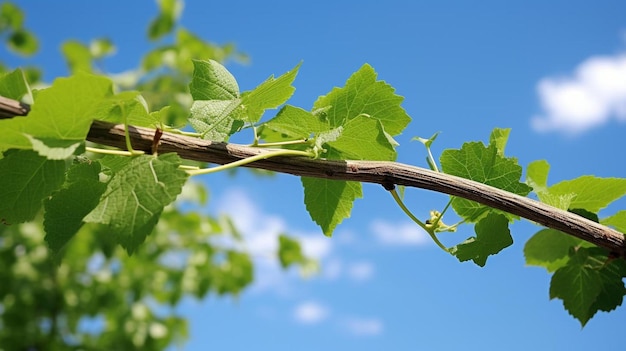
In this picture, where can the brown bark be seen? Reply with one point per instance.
(384, 173)
(387, 174)
(10, 108)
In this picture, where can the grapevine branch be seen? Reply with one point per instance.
(385, 173)
(10, 108)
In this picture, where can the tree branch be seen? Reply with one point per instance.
(384, 173)
(10, 108)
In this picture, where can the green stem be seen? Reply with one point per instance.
(129, 146)
(188, 168)
(251, 159)
(432, 160)
(256, 136)
(181, 132)
(280, 143)
(96, 150)
(428, 230)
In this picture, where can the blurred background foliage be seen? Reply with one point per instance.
(96, 297)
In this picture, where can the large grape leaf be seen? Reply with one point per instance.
(550, 249)
(589, 283)
(136, 196)
(216, 110)
(499, 137)
(363, 138)
(363, 94)
(537, 175)
(216, 120)
(329, 201)
(25, 180)
(589, 192)
(219, 109)
(486, 165)
(66, 208)
(127, 107)
(63, 113)
(269, 94)
(537, 178)
(617, 221)
(293, 123)
(492, 235)
(212, 81)
(361, 117)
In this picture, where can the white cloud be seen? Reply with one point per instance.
(332, 269)
(260, 231)
(405, 233)
(364, 326)
(310, 312)
(316, 245)
(590, 97)
(361, 271)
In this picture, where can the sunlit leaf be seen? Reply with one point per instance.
(329, 202)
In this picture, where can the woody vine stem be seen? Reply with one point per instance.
(380, 172)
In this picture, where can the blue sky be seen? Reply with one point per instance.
(553, 72)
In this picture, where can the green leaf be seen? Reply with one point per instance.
(586, 192)
(482, 164)
(329, 201)
(326, 137)
(363, 94)
(499, 138)
(27, 179)
(11, 17)
(66, 208)
(550, 249)
(537, 175)
(216, 112)
(136, 196)
(234, 274)
(114, 163)
(23, 42)
(78, 56)
(54, 149)
(126, 107)
(613, 290)
(585, 280)
(216, 120)
(363, 138)
(427, 142)
(492, 235)
(13, 85)
(589, 192)
(612, 272)
(269, 94)
(163, 24)
(293, 123)
(617, 221)
(171, 7)
(100, 48)
(160, 26)
(289, 252)
(63, 112)
(212, 81)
